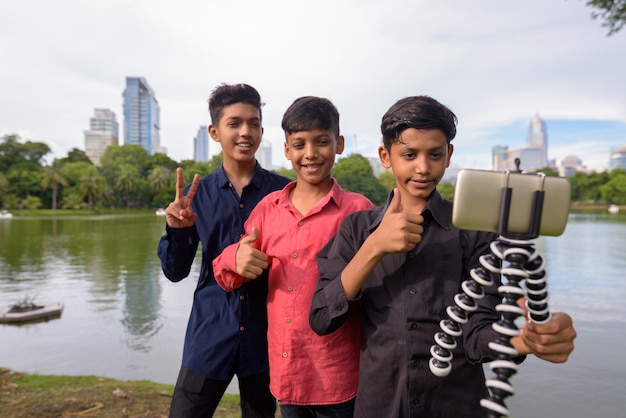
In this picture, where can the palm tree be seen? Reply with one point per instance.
(91, 185)
(159, 178)
(127, 181)
(53, 176)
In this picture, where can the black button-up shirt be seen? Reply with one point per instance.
(225, 329)
(401, 304)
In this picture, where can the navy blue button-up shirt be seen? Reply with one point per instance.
(227, 331)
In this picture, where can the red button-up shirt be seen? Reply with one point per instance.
(305, 369)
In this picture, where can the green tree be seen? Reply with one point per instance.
(92, 185)
(75, 155)
(127, 182)
(13, 152)
(161, 181)
(160, 159)
(387, 179)
(24, 179)
(73, 201)
(614, 191)
(4, 189)
(613, 12)
(290, 173)
(115, 157)
(355, 173)
(446, 190)
(53, 176)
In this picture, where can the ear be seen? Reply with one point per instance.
(450, 151)
(385, 158)
(213, 132)
(341, 143)
(286, 150)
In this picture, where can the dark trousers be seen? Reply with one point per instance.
(195, 396)
(340, 410)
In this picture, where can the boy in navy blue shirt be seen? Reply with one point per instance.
(227, 331)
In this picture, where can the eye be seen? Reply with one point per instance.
(408, 155)
(297, 145)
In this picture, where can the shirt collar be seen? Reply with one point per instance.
(436, 206)
(334, 195)
(256, 180)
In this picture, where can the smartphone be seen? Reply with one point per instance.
(478, 202)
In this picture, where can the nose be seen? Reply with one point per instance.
(422, 165)
(310, 151)
(245, 130)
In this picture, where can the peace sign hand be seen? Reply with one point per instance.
(179, 213)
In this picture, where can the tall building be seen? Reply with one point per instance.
(534, 154)
(142, 114)
(617, 158)
(570, 165)
(264, 154)
(103, 131)
(201, 145)
(537, 138)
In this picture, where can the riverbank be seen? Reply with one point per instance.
(44, 396)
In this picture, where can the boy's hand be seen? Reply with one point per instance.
(179, 213)
(552, 341)
(399, 231)
(250, 262)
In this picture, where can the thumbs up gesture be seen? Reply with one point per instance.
(250, 262)
(399, 231)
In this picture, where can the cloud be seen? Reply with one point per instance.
(495, 64)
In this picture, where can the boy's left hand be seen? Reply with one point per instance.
(552, 341)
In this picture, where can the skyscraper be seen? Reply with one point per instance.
(533, 156)
(142, 115)
(201, 145)
(103, 131)
(537, 138)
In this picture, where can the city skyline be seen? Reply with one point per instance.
(495, 64)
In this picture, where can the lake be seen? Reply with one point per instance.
(124, 319)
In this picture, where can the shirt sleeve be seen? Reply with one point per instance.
(225, 265)
(225, 269)
(177, 249)
(330, 308)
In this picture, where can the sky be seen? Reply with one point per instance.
(494, 63)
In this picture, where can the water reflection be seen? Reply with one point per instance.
(123, 319)
(111, 257)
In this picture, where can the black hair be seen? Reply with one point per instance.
(418, 112)
(227, 94)
(308, 113)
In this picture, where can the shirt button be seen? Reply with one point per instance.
(413, 325)
(241, 328)
(290, 288)
(241, 205)
(294, 255)
(287, 320)
(285, 354)
(230, 185)
(411, 255)
(242, 297)
(301, 223)
(338, 307)
(412, 291)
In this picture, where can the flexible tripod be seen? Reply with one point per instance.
(514, 257)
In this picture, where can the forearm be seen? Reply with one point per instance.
(176, 250)
(359, 268)
(225, 269)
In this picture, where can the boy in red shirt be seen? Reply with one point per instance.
(310, 376)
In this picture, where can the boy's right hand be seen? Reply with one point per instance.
(250, 262)
(179, 213)
(398, 231)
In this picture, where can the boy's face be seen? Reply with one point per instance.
(418, 161)
(238, 131)
(312, 154)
